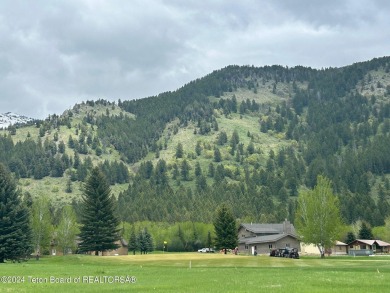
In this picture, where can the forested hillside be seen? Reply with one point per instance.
(252, 137)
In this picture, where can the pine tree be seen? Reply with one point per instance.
(225, 229)
(149, 241)
(198, 148)
(145, 241)
(185, 170)
(99, 229)
(350, 237)
(365, 232)
(15, 233)
(217, 155)
(179, 150)
(209, 241)
(133, 241)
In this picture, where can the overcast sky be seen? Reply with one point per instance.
(54, 54)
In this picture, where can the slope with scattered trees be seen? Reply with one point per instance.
(250, 136)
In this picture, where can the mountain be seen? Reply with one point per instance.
(9, 118)
(253, 137)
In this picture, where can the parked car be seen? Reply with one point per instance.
(206, 250)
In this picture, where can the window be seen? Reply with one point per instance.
(270, 246)
(246, 247)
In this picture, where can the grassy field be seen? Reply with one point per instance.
(195, 272)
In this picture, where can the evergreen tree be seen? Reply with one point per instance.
(209, 241)
(61, 147)
(76, 160)
(179, 151)
(222, 138)
(198, 169)
(201, 183)
(350, 237)
(68, 188)
(365, 232)
(225, 229)
(185, 170)
(175, 171)
(211, 170)
(198, 148)
(15, 233)
(219, 174)
(235, 139)
(145, 241)
(250, 148)
(99, 229)
(133, 241)
(149, 241)
(217, 155)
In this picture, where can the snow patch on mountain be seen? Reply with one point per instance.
(10, 118)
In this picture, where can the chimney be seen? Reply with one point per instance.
(287, 227)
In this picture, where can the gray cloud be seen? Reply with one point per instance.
(54, 54)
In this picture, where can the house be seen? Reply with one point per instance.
(367, 247)
(55, 249)
(338, 248)
(121, 250)
(261, 238)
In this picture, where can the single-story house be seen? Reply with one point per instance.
(56, 250)
(339, 248)
(121, 250)
(367, 247)
(262, 238)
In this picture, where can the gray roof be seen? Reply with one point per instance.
(268, 228)
(265, 239)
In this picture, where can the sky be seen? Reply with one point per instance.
(54, 54)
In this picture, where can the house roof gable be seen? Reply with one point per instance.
(265, 239)
(371, 242)
(382, 243)
(268, 228)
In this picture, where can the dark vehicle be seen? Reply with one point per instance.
(293, 253)
(285, 252)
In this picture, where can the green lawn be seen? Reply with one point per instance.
(195, 272)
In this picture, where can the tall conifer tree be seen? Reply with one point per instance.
(99, 224)
(225, 229)
(15, 233)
